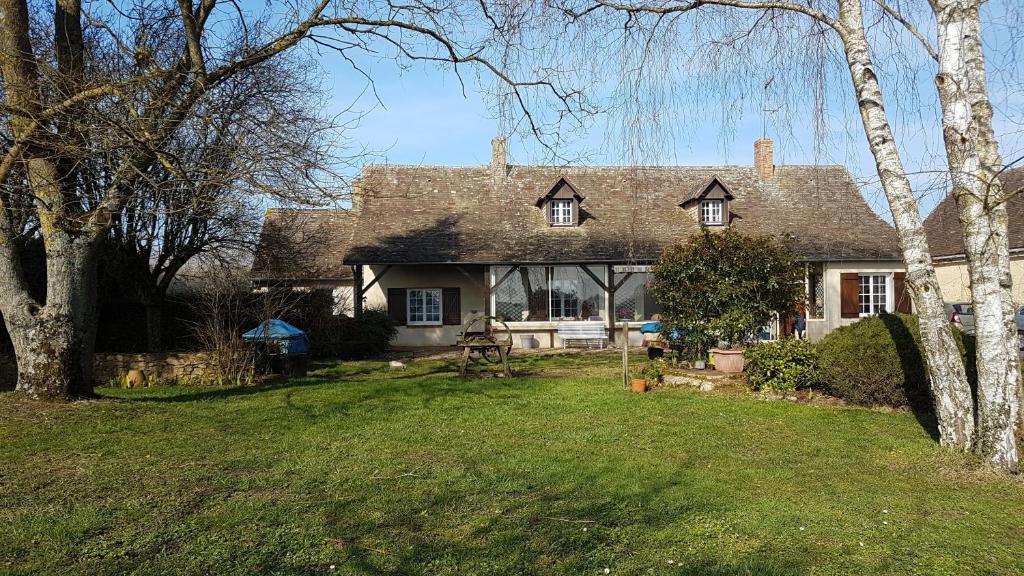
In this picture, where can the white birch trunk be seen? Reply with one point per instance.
(974, 164)
(950, 389)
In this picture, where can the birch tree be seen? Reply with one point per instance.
(973, 161)
(647, 33)
(64, 106)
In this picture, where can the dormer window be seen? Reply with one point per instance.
(561, 204)
(710, 203)
(711, 212)
(560, 212)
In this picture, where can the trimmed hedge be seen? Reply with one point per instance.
(782, 365)
(878, 361)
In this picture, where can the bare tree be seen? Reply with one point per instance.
(112, 86)
(777, 34)
(259, 136)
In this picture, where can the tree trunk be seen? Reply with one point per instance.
(974, 164)
(950, 389)
(154, 324)
(53, 343)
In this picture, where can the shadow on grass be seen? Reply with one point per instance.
(430, 382)
(915, 374)
(544, 526)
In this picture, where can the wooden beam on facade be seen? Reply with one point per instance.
(376, 278)
(599, 282)
(504, 277)
(610, 304)
(616, 286)
(357, 290)
(487, 291)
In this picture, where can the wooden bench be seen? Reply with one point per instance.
(589, 332)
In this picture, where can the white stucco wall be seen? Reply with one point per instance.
(833, 319)
(955, 282)
(469, 280)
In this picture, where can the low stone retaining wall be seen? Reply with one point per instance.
(160, 368)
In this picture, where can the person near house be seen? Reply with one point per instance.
(800, 324)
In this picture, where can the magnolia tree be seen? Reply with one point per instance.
(726, 285)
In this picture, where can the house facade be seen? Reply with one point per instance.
(945, 238)
(541, 246)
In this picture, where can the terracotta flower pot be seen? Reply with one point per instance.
(730, 361)
(136, 378)
(638, 385)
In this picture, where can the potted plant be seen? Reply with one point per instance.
(638, 383)
(732, 327)
(646, 376)
(727, 284)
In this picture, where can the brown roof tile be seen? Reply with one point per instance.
(304, 244)
(430, 214)
(945, 237)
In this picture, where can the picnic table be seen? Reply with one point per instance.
(483, 342)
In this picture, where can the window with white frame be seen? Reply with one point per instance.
(424, 306)
(874, 294)
(561, 212)
(711, 212)
(541, 293)
(565, 301)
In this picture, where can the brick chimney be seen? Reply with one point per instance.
(499, 158)
(764, 159)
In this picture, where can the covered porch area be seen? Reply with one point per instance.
(540, 302)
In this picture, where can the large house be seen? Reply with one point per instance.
(945, 238)
(539, 246)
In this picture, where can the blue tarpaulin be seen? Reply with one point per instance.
(291, 339)
(655, 326)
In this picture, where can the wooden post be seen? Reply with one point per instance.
(625, 355)
(357, 290)
(487, 290)
(610, 307)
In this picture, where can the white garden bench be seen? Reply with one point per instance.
(589, 332)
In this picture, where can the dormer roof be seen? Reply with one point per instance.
(712, 189)
(563, 189)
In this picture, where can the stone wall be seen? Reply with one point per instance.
(160, 368)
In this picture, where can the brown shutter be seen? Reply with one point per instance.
(902, 295)
(451, 306)
(396, 305)
(849, 294)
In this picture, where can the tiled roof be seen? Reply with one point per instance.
(304, 244)
(945, 237)
(430, 214)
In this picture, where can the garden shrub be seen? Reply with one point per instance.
(339, 336)
(726, 284)
(783, 365)
(877, 361)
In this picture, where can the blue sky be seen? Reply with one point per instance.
(425, 116)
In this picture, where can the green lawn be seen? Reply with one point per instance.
(559, 471)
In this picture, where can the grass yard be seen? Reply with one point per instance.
(363, 470)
